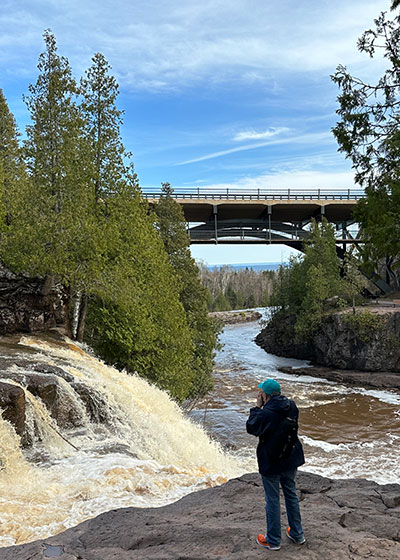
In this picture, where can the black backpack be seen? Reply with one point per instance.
(281, 443)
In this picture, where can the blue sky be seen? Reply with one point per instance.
(215, 93)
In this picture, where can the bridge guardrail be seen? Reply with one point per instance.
(259, 194)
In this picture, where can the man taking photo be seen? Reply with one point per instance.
(279, 452)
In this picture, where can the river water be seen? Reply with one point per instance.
(149, 453)
(348, 432)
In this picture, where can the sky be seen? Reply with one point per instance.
(216, 93)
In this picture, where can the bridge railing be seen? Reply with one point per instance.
(257, 194)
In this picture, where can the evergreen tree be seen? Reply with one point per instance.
(221, 303)
(369, 134)
(12, 169)
(311, 284)
(137, 320)
(51, 233)
(193, 295)
(102, 124)
(107, 171)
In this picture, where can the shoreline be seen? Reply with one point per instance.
(375, 379)
(234, 317)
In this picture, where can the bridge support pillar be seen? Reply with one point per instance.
(215, 212)
(269, 223)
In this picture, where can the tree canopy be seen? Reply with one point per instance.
(193, 294)
(369, 134)
(71, 210)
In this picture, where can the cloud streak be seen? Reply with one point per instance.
(253, 135)
(310, 138)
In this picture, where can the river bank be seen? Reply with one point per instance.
(342, 519)
(367, 340)
(234, 317)
(379, 380)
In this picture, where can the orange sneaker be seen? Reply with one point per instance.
(262, 541)
(302, 540)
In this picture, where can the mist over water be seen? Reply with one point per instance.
(147, 452)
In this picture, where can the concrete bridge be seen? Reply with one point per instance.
(262, 215)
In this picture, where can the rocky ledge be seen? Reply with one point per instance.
(376, 379)
(233, 317)
(342, 519)
(366, 341)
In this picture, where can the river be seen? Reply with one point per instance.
(148, 452)
(348, 432)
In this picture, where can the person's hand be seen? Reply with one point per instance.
(260, 399)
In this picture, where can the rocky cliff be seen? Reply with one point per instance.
(342, 519)
(28, 304)
(366, 341)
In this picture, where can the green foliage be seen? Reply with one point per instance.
(78, 216)
(365, 324)
(309, 286)
(12, 169)
(236, 289)
(354, 281)
(193, 295)
(369, 134)
(221, 303)
(137, 321)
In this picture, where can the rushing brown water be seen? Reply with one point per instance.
(149, 453)
(346, 431)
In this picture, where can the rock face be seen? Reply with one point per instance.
(27, 304)
(12, 404)
(342, 519)
(340, 342)
(278, 338)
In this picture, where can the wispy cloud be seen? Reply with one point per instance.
(292, 180)
(167, 44)
(310, 138)
(254, 135)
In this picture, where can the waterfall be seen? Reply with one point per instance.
(125, 443)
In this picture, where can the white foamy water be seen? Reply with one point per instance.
(146, 454)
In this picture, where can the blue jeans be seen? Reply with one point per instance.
(273, 509)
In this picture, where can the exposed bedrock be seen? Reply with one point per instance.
(26, 383)
(28, 304)
(342, 519)
(340, 342)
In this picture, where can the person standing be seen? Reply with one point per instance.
(265, 422)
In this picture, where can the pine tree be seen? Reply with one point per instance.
(12, 169)
(193, 295)
(103, 120)
(368, 133)
(53, 234)
(137, 320)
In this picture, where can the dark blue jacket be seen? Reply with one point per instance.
(263, 422)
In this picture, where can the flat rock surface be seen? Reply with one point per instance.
(342, 519)
(233, 317)
(377, 379)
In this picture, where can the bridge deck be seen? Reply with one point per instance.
(261, 215)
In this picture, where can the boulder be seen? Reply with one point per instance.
(339, 342)
(12, 405)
